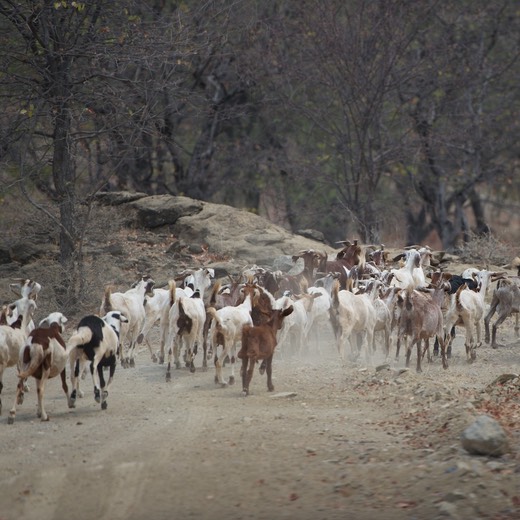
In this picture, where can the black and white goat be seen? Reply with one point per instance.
(96, 340)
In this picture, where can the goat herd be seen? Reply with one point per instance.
(360, 292)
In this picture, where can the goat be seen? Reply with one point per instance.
(26, 288)
(198, 280)
(467, 309)
(311, 261)
(378, 257)
(12, 339)
(384, 305)
(130, 304)
(295, 325)
(96, 340)
(352, 315)
(455, 282)
(411, 274)
(186, 323)
(350, 256)
(221, 296)
(259, 343)
(153, 307)
(421, 318)
(505, 301)
(226, 330)
(43, 357)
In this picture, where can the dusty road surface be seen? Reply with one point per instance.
(334, 441)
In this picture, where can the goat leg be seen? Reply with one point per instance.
(269, 371)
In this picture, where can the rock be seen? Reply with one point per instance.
(283, 263)
(448, 509)
(24, 252)
(161, 210)
(116, 198)
(485, 437)
(5, 255)
(313, 234)
(500, 380)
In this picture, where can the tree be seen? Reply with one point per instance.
(68, 83)
(461, 61)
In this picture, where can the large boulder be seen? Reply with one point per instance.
(236, 234)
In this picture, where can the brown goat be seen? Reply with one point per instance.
(258, 343)
(421, 319)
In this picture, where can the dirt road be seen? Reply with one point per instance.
(332, 442)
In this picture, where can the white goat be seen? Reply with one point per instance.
(157, 306)
(467, 308)
(96, 340)
(43, 356)
(384, 305)
(411, 274)
(226, 330)
(318, 315)
(26, 289)
(131, 305)
(353, 319)
(186, 323)
(294, 325)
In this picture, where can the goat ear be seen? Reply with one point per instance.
(287, 311)
(398, 257)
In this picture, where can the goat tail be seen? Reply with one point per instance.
(33, 357)
(181, 308)
(457, 296)
(107, 304)
(172, 287)
(81, 337)
(212, 313)
(334, 293)
(214, 292)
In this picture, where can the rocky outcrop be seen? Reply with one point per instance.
(234, 233)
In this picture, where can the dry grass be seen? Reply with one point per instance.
(486, 250)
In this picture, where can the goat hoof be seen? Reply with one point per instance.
(154, 358)
(192, 368)
(168, 377)
(10, 419)
(97, 395)
(223, 384)
(231, 380)
(245, 393)
(132, 363)
(104, 405)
